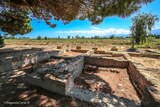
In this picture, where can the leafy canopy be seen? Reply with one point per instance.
(68, 10)
(15, 22)
(142, 26)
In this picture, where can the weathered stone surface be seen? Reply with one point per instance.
(19, 61)
(15, 53)
(51, 85)
(103, 62)
(143, 87)
(144, 55)
(59, 77)
(79, 50)
(65, 71)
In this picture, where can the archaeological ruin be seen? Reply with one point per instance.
(103, 79)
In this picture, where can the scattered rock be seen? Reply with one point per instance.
(120, 85)
(114, 71)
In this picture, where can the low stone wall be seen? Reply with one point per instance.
(145, 55)
(142, 86)
(66, 71)
(14, 53)
(100, 52)
(105, 62)
(19, 61)
(78, 50)
(48, 84)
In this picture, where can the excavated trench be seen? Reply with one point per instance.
(113, 81)
(98, 80)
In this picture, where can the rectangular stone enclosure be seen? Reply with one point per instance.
(58, 75)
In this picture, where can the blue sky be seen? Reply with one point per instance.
(110, 25)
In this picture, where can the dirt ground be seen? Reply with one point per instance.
(71, 46)
(108, 80)
(152, 63)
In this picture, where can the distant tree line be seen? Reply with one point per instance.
(5, 36)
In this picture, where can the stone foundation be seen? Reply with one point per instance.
(143, 87)
(105, 62)
(57, 77)
(21, 60)
(62, 75)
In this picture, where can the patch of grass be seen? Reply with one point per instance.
(150, 43)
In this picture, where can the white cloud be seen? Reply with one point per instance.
(95, 28)
(97, 31)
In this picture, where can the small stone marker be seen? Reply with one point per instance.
(78, 47)
(59, 47)
(95, 49)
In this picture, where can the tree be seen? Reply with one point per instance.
(68, 10)
(45, 38)
(112, 37)
(142, 26)
(77, 36)
(68, 37)
(83, 37)
(96, 37)
(15, 22)
(39, 38)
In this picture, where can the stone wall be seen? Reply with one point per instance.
(144, 55)
(19, 61)
(14, 53)
(72, 67)
(105, 62)
(61, 75)
(79, 50)
(51, 85)
(142, 86)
